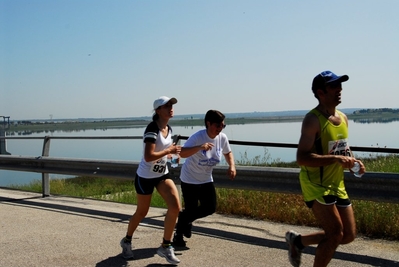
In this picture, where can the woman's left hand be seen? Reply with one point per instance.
(231, 172)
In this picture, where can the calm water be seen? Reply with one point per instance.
(368, 135)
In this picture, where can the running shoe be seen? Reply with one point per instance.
(168, 253)
(178, 241)
(294, 253)
(127, 252)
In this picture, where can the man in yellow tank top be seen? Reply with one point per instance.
(323, 154)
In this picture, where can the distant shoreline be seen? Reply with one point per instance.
(135, 123)
(129, 123)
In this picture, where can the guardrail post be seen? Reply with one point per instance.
(46, 176)
(3, 142)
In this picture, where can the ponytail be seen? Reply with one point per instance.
(155, 117)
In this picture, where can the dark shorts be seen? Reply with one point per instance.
(145, 186)
(330, 200)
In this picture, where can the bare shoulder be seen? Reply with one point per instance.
(309, 132)
(310, 122)
(344, 116)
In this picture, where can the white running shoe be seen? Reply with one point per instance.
(127, 252)
(168, 253)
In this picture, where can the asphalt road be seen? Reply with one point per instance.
(64, 231)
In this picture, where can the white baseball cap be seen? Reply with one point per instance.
(162, 100)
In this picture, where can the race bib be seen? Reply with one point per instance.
(339, 147)
(159, 166)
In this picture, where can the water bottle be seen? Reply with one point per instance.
(174, 161)
(356, 169)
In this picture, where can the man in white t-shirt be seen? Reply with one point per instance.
(203, 150)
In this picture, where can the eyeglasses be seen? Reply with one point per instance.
(220, 125)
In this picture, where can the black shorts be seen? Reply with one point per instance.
(145, 186)
(330, 200)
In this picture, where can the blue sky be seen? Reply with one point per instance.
(106, 58)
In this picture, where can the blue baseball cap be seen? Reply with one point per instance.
(327, 77)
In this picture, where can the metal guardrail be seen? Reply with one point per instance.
(372, 186)
(182, 137)
(286, 145)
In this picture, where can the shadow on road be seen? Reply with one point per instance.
(156, 222)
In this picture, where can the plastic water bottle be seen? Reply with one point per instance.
(174, 161)
(356, 169)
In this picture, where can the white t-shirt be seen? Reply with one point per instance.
(197, 169)
(157, 168)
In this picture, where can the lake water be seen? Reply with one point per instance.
(361, 134)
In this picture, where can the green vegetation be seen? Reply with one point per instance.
(374, 219)
(381, 115)
(372, 111)
(382, 163)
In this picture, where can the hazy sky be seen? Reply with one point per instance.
(107, 58)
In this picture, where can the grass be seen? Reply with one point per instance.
(381, 163)
(373, 219)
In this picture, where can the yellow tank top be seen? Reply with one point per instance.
(327, 180)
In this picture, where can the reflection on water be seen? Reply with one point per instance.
(50, 132)
(105, 129)
(376, 120)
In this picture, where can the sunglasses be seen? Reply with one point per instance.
(220, 125)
